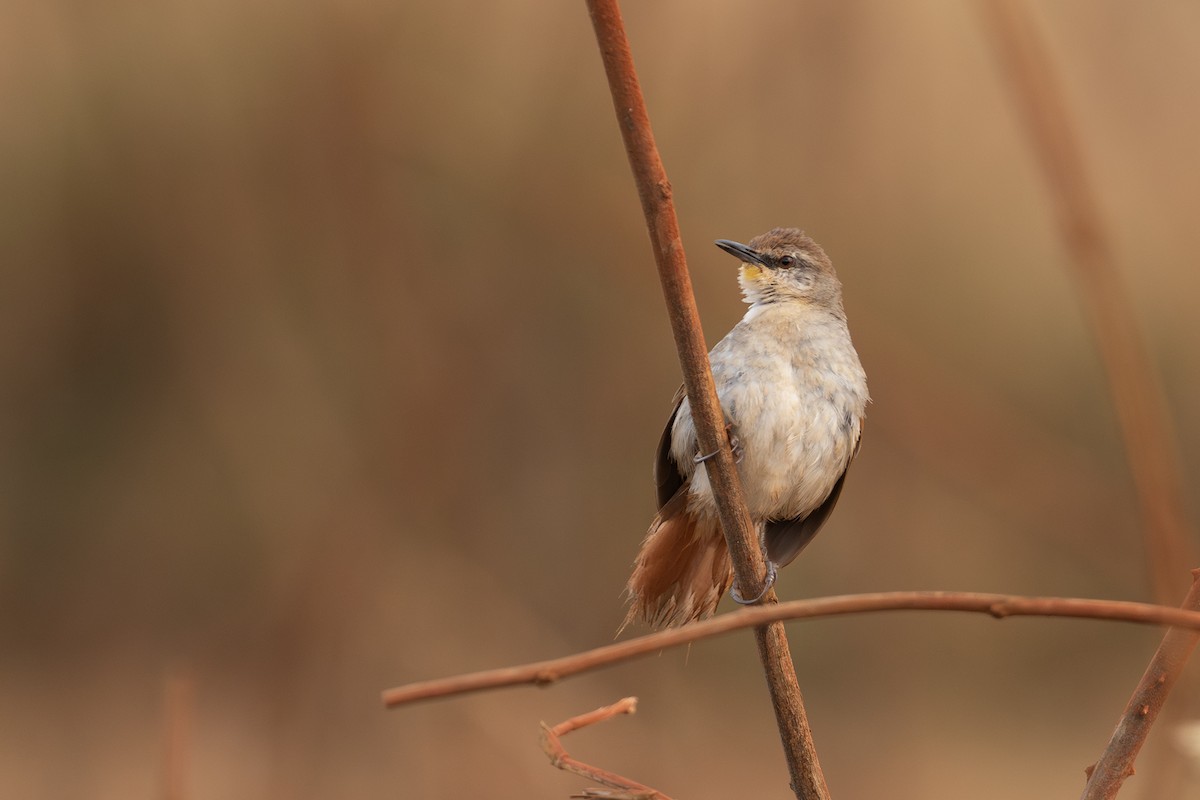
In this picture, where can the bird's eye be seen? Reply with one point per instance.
(787, 261)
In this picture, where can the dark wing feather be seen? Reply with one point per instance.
(785, 538)
(666, 472)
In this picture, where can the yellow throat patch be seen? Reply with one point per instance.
(751, 272)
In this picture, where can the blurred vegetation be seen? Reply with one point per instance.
(332, 357)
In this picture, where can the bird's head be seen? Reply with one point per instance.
(785, 265)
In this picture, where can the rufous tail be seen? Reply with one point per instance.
(682, 571)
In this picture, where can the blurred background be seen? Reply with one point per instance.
(333, 356)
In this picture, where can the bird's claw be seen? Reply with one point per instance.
(772, 572)
(735, 447)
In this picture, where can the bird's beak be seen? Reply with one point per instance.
(742, 252)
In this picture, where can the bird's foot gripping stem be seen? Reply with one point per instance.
(735, 445)
(772, 572)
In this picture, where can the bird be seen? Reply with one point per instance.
(794, 396)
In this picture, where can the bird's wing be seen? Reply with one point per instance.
(666, 472)
(785, 538)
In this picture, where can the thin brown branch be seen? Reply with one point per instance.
(659, 209)
(807, 780)
(1106, 777)
(1137, 393)
(179, 692)
(997, 605)
(559, 757)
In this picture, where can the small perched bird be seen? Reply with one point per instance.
(794, 396)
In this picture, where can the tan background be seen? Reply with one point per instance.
(332, 356)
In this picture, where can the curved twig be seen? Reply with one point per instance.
(559, 757)
(543, 673)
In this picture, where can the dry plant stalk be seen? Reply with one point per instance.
(1107, 775)
(807, 780)
(543, 673)
(559, 757)
(178, 693)
(1137, 394)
